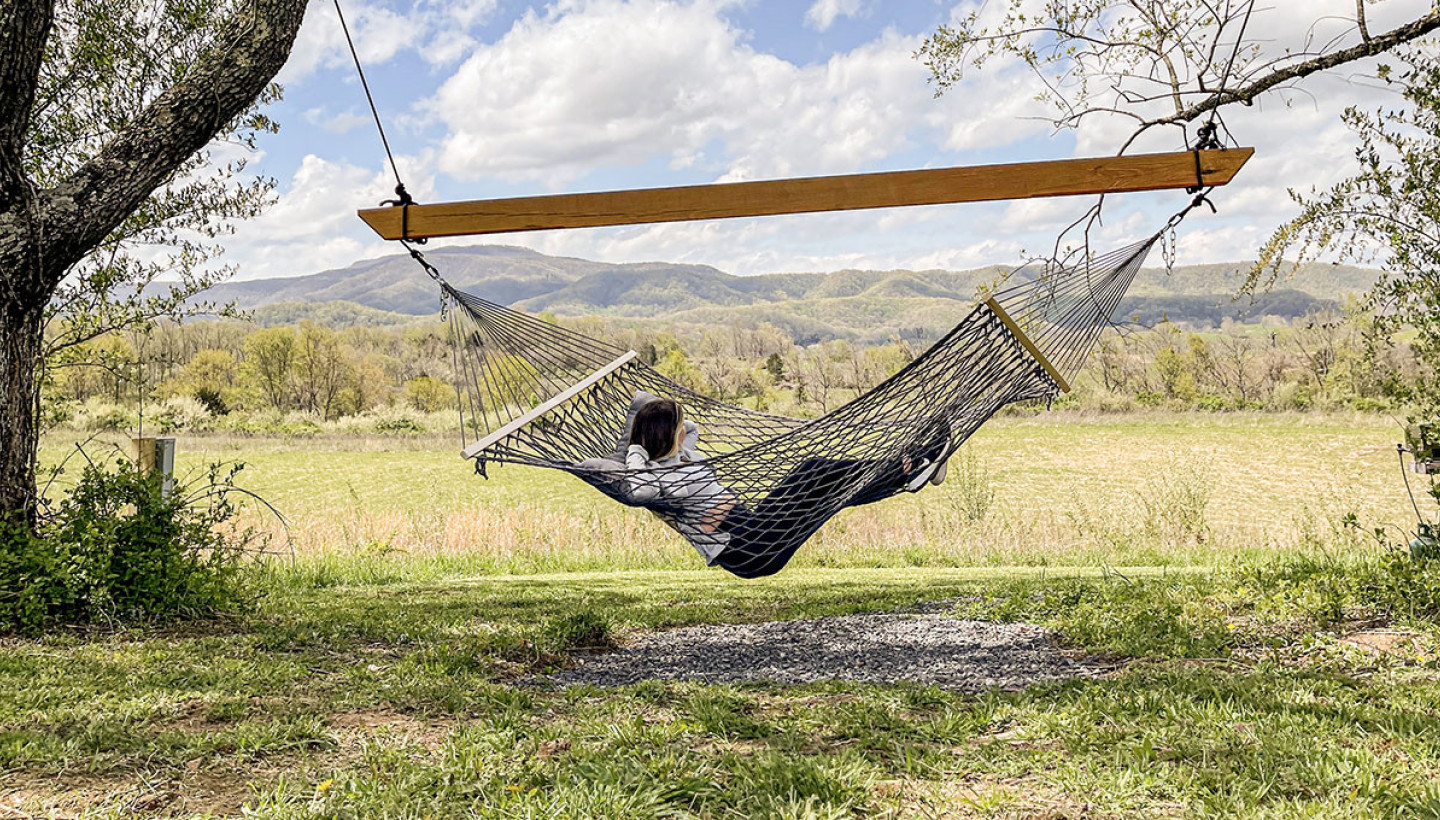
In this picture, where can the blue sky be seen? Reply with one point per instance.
(486, 98)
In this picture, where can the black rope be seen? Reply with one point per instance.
(402, 196)
(786, 477)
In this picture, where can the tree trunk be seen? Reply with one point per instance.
(20, 340)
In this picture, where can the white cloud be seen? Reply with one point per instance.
(313, 226)
(822, 14)
(550, 101)
(341, 123)
(439, 30)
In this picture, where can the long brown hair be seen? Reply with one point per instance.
(656, 426)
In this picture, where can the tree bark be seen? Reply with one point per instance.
(20, 339)
(22, 311)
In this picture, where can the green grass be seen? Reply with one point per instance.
(411, 699)
(389, 668)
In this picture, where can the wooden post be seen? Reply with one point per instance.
(935, 186)
(156, 455)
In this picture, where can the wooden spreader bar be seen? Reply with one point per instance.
(1028, 345)
(977, 183)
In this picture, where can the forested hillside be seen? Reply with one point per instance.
(857, 305)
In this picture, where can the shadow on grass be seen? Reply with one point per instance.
(1159, 736)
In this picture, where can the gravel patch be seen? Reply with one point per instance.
(970, 656)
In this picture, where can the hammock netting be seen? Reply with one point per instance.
(538, 394)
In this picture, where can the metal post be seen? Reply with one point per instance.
(156, 455)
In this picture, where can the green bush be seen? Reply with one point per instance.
(116, 550)
(1403, 584)
(398, 424)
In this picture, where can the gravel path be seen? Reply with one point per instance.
(970, 656)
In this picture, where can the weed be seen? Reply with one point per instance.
(973, 491)
(582, 629)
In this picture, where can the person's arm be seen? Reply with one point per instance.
(712, 520)
(692, 438)
(644, 486)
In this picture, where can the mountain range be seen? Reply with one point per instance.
(863, 305)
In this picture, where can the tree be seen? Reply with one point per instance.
(323, 369)
(428, 394)
(102, 105)
(1389, 213)
(209, 376)
(1153, 63)
(270, 363)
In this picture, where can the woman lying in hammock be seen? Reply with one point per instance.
(668, 476)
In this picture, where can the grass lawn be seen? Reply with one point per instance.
(404, 699)
(1267, 663)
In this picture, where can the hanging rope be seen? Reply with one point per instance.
(402, 196)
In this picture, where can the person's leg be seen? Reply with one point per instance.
(764, 538)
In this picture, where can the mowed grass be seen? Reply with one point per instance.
(396, 667)
(427, 699)
(1055, 489)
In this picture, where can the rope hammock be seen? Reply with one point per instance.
(751, 487)
(538, 394)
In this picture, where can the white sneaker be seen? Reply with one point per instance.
(938, 477)
(927, 469)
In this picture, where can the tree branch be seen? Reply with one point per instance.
(248, 50)
(24, 27)
(1369, 48)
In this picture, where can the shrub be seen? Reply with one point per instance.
(181, 413)
(398, 424)
(100, 416)
(116, 550)
(1404, 584)
(212, 400)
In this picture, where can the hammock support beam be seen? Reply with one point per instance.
(935, 186)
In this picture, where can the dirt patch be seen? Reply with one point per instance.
(1400, 642)
(353, 728)
(171, 793)
(194, 716)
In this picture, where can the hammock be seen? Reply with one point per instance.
(538, 394)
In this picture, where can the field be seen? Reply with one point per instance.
(1266, 661)
(1056, 490)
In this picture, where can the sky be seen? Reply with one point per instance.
(494, 98)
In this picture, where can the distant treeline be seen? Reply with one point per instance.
(235, 375)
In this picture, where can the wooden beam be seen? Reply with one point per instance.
(979, 183)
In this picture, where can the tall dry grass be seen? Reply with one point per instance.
(1167, 520)
(1061, 489)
